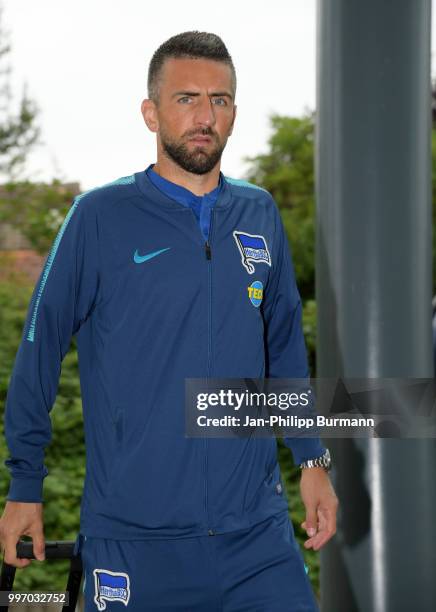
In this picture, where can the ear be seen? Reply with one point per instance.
(149, 112)
(233, 120)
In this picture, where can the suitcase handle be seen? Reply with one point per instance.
(53, 550)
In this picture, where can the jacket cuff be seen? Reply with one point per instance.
(25, 490)
(304, 448)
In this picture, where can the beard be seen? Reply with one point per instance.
(198, 160)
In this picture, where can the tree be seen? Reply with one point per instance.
(18, 132)
(287, 172)
(36, 210)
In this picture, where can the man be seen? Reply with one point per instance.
(152, 273)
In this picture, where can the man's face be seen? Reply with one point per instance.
(195, 112)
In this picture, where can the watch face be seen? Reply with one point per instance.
(327, 460)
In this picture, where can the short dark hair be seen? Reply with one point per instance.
(193, 45)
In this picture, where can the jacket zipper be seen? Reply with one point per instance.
(208, 256)
(208, 252)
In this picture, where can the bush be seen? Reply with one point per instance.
(65, 457)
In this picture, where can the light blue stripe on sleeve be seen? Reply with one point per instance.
(125, 180)
(48, 265)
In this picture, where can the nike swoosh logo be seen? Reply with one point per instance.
(141, 258)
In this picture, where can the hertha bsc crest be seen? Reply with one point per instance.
(253, 248)
(111, 586)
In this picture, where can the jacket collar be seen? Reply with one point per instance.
(180, 193)
(151, 191)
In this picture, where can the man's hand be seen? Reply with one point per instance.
(21, 518)
(321, 505)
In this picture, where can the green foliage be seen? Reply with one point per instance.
(291, 481)
(309, 330)
(36, 210)
(65, 457)
(287, 172)
(13, 296)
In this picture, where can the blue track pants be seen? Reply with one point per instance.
(259, 569)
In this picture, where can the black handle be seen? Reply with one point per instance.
(53, 550)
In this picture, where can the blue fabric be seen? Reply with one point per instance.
(258, 569)
(201, 205)
(129, 275)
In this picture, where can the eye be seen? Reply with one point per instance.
(220, 101)
(185, 100)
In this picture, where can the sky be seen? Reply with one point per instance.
(85, 64)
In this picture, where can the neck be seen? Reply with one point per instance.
(197, 183)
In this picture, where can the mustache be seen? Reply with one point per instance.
(204, 132)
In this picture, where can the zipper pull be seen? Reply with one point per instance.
(208, 251)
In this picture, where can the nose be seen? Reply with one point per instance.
(205, 112)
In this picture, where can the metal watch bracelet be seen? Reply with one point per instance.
(324, 461)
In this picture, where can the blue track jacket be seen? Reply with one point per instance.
(151, 303)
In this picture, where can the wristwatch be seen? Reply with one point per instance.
(323, 461)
